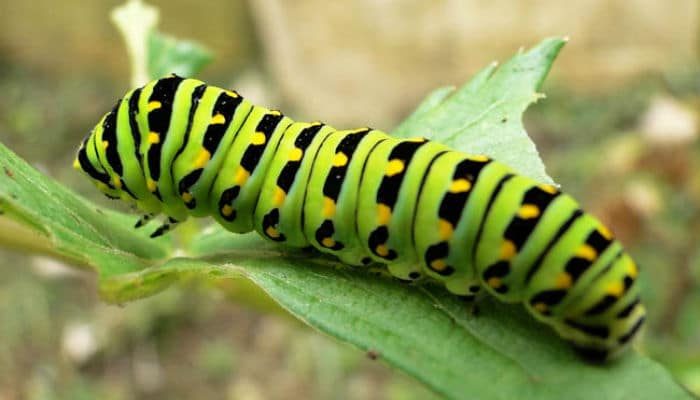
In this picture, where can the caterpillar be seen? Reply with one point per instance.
(179, 147)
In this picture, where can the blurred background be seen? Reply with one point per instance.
(618, 129)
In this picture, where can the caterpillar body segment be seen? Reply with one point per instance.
(179, 147)
(280, 208)
(333, 190)
(234, 193)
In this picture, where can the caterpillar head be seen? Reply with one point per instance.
(89, 160)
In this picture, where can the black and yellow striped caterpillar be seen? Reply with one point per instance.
(179, 147)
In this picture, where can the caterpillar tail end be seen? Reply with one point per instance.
(622, 333)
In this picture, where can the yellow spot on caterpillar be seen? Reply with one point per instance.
(328, 242)
(295, 154)
(241, 176)
(383, 214)
(272, 232)
(340, 159)
(153, 138)
(328, 207)
(615, 289)
(479, 158)
(187, 197)
(394, 167)
(231, 93)
(258, 139)
(603, 230)
(76, 164)
(202, 159)
(316, 123)
(508, 250)
(151, 185)
(279, 196)
(418, 139)
(382, 250)
(586, 252)
(446, 229)
(226, 210)
(548, 188)
(274, 112)
(218, 119)
(154, 105)
(494, 282)
(540, 307)
(632, 269)
(460, 185)
(438, 265)
(528, 211)
(117, 182)
(563, 281)
(105, 144)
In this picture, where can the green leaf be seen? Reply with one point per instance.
(500, 354)
(169, 55)
(485, 115)
(425, 331)
(40, 215)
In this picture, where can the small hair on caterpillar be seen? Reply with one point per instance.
(178, 147)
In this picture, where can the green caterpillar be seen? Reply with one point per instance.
(179, 147)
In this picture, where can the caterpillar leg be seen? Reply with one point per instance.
(165, 228)
(471, 294)
(143, 220)
(405, 271)
(474, 293)
(473, 301)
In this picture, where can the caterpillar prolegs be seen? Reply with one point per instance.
(179, 147)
